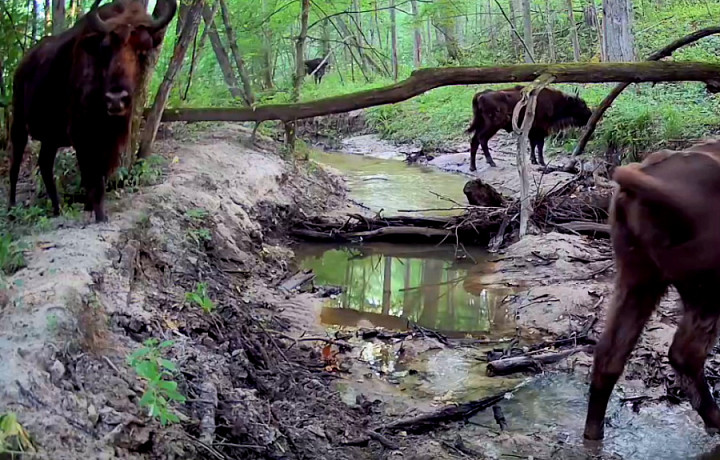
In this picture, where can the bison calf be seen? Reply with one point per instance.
(665, 220)
(313, 64)
(493, 111)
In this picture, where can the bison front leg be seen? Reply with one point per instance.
(96, 197)
(638, 288)
(19, 138)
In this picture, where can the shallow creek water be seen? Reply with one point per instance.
(438, 288)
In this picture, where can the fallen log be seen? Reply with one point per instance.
(297, 280)
(423, 80)
(525, 363)
(380, 234)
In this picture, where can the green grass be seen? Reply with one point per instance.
(200, 298)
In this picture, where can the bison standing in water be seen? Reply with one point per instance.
(77, 89)
(493, 111)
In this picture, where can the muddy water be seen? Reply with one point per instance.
(392, 185)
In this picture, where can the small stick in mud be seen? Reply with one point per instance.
(524, 363)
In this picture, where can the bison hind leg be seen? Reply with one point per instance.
(47, 166)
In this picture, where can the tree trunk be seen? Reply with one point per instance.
(417, 44)
(451, 45)
(239, 61)
(514, 27)
(618, 38)
(48, 17)
(221, 55)
(393, 40)
(591, 19)
(573, 32)
(550, 31)
(200, 46)
(423, 80)
(190, 26)
(183, 7)
(491, 25)
(527, 23)
(72, 13)
(141, 95)
(300, 51)
(35, 19)
(58, 16)
(266, 54)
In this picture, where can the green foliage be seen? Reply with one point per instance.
(200, 298)
(14, 439)
(144, 172)
(197, 214)
(12, 257)
(199, 236)
(149, 364)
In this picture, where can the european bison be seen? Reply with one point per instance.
(665, 222)
(76, 89)
(313, 64)
(493, 111)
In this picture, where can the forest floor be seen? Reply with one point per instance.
(261, 376)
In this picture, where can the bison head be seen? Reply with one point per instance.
(113, 49)
(576, 111)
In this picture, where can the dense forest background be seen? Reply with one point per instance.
(244, 52)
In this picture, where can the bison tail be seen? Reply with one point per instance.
(650, 188)
(477, 119)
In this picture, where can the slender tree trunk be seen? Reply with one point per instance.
(35, 19)
(592, 20)
(417, 35)
(573, 31)
(299, 71)
(58, 16)
(141, 96)
(514, 27)
(191, 22)
(325, 38)
(266, 53)
(300, 50)
(200, 46)
(527, 23)
(491, 25)
(72, 13)
(183, 7)
(550, 31)
(618, 38)
(393, 40)
(221, 55)
(239, 61)
(48, 17)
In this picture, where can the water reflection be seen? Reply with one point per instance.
(387, 285)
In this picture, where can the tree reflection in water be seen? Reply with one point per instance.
(390, 284)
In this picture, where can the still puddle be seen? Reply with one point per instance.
(389, 285)
(393, 185)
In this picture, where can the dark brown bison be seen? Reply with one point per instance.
(665, 221)
(318, 64)
(77, 89)
(493, 111)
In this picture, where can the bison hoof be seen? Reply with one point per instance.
(492, 164)
(594, 434)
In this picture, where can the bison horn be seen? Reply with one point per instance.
(166, 10)
(94, 21)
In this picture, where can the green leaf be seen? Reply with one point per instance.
(167, 364)
(147, 369)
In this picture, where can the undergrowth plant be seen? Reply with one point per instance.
(143, 172)
(14, 439)
(200, 298)
(149, 364)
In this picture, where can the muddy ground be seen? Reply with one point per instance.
(261, 375)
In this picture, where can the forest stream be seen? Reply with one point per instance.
(455, 292)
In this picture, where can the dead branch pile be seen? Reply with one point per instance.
(575, 207)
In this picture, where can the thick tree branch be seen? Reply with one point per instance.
(426, 79)
(610, 98)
